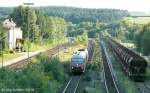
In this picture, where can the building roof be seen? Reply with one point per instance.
(7, 23)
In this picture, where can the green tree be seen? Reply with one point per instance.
(3, 39)
(41, 26)
(33, 27)
(145, 39)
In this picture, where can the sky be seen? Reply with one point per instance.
(130, 5)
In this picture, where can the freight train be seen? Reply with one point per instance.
(133, 64)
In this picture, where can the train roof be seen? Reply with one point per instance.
(80, 54)
(77, 57)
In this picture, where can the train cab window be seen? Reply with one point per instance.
(77, 60)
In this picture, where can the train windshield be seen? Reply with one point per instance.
(77, 60)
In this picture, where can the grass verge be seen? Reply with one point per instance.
(8, 56)
(92, 81)
(66, 55)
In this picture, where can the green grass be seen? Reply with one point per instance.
(33, 47)
(139, 14)
(148, 73)
(92, 80)
(65, 57)
(45, 45)
(139, 20)
(8, 56)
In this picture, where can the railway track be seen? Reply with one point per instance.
(143, 87)
(72, 84)
(23, 63)
(56, 49)
(109, 80)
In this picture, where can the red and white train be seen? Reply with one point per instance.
(78, 60)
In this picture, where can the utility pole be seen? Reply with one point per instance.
(41, 34)
(58, 37)
(1, 51)
(2, 56)
(28, 30)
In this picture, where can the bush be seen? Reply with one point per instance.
(11, 51)
(88, 76)
(95, 66)
(43, 77)
(52, 66)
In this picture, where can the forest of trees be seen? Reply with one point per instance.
(40, 25)
(44, 23)
(4, 12)
(91, 28)
(143, 39)
(77, 15)
(128, 31)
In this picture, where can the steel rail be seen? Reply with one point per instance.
(143, 87)
(109, 71)
(72, 85)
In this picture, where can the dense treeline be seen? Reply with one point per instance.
(84, 20)
(123, 30)
(143, 39)
(128, 31)
(39, 25)
(91, 28)
(77, 15)
(4, 12)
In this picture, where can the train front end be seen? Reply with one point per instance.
(77, 64)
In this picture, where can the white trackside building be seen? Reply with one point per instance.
(14, 34)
